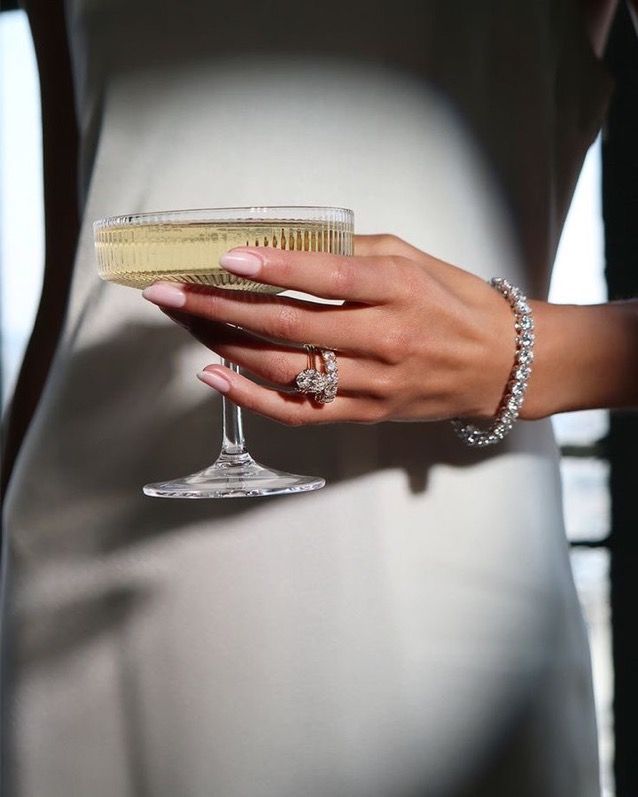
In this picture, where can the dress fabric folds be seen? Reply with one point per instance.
(412, 628)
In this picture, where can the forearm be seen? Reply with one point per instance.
(585, 357)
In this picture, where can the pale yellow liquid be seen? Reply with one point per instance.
(140, 254)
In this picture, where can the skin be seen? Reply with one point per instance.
(400, 307)
(416, 339)
(60, 142)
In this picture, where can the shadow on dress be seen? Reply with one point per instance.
(132, 416)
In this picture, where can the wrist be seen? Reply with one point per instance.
(585, 357)
(516, 386)
(547, 383)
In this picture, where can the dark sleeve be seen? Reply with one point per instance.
(60, 157)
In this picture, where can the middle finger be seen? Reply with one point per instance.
(276, 317)
(279, 364)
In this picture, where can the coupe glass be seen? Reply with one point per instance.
(185, 246)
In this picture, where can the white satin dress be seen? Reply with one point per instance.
(411, 629)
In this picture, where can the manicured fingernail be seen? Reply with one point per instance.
(166, 294)
(247, 264)
(215, 380)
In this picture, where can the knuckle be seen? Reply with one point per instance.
(285, 269)
(205, 304)
(292, 417)
(412, 280)
(402, 267)
(285, 322)
(397, 273)
(370, 412)
(278, 369)
(384, 384)
(343, 279)
(393, 345)
(410, 287)
(386, 242)
(407, 277)
(383, 412)
(391, 241)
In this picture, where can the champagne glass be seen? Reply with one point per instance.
(185, 246)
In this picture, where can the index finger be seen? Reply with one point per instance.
(368, 280)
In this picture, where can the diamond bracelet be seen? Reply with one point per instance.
(516, 387)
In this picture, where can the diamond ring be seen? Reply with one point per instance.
(321, 386)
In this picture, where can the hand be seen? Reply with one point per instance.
(416, 338)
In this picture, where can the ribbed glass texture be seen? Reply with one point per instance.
(185, 245)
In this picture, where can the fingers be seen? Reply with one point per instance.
(276, 363)
(291, 409)
(280, 366)
(274, 317)
(369, 280)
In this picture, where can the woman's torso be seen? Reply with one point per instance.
(389, 629)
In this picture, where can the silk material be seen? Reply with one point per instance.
(413, 628)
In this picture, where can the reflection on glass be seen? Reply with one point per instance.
(185, 246)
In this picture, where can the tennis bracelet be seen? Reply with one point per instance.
(514, 395)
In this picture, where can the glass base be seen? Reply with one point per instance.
(234, 476)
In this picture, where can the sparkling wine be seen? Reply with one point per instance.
(140, 254)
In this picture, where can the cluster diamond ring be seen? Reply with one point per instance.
(322, 386)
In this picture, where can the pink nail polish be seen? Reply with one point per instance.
(246, 264)
(215, 380)
(165, 294)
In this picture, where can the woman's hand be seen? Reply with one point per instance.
(416, 338)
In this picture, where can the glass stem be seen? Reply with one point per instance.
(233, 444)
